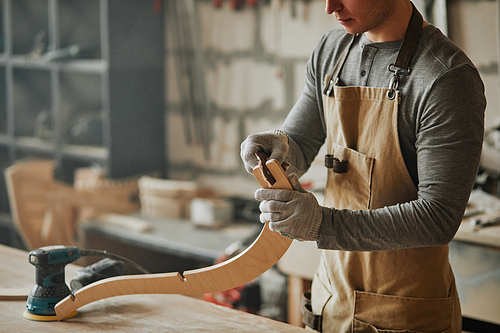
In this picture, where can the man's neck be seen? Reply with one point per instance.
(393, 28)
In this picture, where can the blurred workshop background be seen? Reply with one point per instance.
(137, 110)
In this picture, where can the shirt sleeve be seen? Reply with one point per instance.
(304, 124)
(449, 137)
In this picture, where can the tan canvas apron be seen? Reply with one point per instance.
(411, 290)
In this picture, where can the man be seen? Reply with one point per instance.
(401, 110)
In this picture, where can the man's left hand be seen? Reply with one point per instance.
(294, 214)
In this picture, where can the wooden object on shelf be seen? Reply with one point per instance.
(211, 213)
(46, 212)
(120, 196)
(166, 197)
(267, 249)
(125, 222)
(28, 184)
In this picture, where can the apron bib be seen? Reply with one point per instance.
(410, 290)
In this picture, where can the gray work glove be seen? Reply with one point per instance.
(294, 214)
(274, 143)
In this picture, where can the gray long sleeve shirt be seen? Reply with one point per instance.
(440, 124)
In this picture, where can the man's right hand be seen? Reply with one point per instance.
(274, 143)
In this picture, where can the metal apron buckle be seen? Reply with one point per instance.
(394, 84)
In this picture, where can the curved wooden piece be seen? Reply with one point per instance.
(266, 250)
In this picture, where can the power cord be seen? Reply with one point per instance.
(105, 254)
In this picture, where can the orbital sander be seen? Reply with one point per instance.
(50, 285)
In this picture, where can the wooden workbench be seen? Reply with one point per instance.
(167, 244)
(173, 236)
(140, 313)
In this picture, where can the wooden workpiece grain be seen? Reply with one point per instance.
(133, 313)
(250, 264)
(255, 260)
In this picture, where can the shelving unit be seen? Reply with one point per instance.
(82, 83)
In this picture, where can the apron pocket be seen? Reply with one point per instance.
(390, 314)
(360, 327)
(355, 184)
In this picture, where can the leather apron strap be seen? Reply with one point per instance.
(409, 43)
(408, 46)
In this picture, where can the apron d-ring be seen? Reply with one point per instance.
(393, 86)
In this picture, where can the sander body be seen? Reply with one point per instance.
(50, 286)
